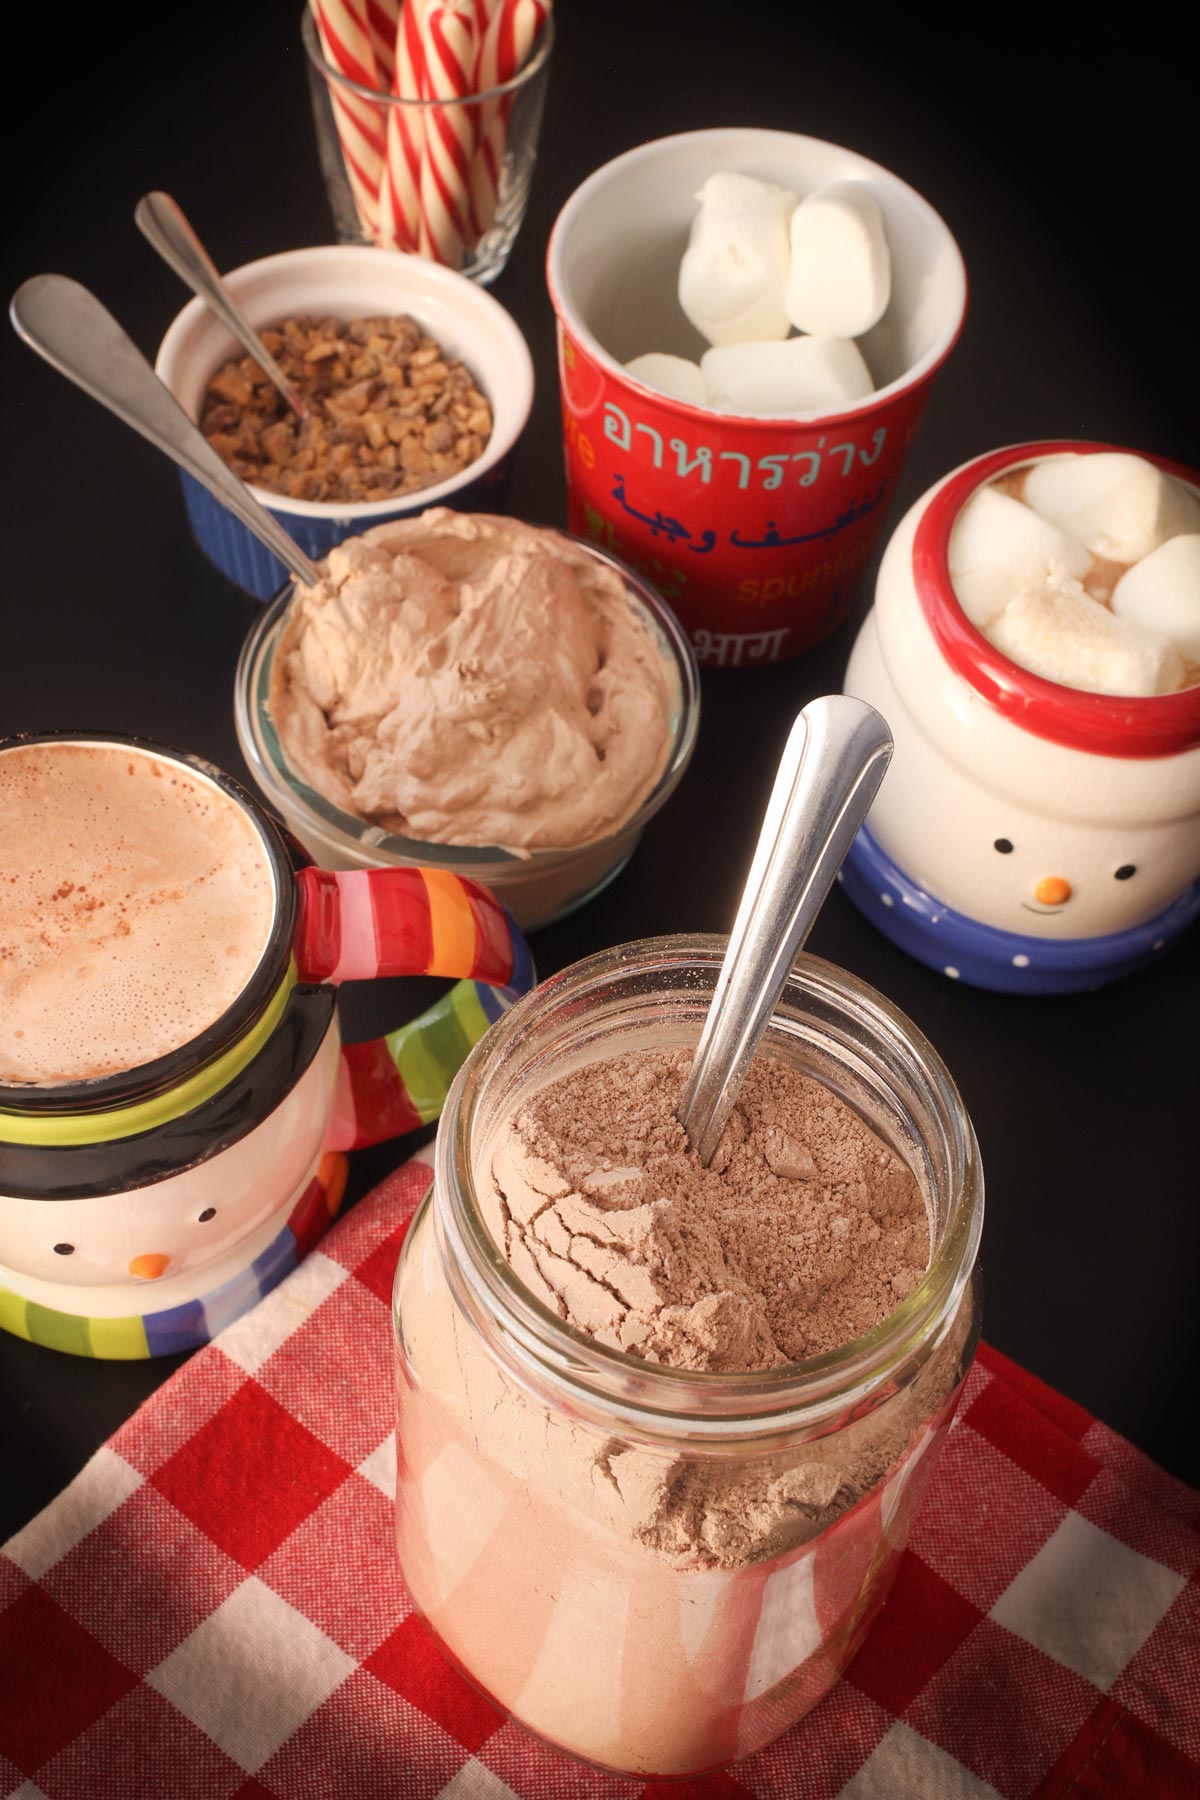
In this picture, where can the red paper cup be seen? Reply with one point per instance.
(755, 530)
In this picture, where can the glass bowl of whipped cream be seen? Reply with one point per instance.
(467, 692)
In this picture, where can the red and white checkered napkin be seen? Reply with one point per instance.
(212, 1610)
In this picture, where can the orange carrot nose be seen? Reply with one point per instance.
(148, 1268)
(1052, 890)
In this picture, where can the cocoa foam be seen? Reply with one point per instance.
(136, 901)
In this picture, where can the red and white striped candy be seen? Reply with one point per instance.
(400, 188)
(383, 21)
(346, 38)
(511, 34)
(450, 53)
(347, 45)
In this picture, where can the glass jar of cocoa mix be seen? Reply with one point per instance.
(660, 1568)
(175, 1095)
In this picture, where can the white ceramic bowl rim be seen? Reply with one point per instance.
(361, 834)
(937, 353)
(508, 421)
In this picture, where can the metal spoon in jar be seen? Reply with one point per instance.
(164, 224)
(67, 325)
(835, 758)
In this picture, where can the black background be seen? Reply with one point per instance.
(1064, 164)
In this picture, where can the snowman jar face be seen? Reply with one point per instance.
(1029, 837)
(148, 1202)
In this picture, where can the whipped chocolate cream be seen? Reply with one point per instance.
(467, 679)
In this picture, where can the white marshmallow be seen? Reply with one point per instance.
(1162, 593)
(735, 268)
(1060, 632)
(673, 375)
(841, 274)
(998, 546)
(804, 375)
(1120, 506)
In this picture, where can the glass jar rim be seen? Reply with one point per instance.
(591, 1376)
(376, 97)
(265, 755)
(262, 990)
(1118, 725)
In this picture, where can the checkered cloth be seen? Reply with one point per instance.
(211, 1610)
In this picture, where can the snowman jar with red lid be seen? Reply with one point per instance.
(1035, 647)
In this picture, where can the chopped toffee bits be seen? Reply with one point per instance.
(389, 412)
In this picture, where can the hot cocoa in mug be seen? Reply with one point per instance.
(174, 1093)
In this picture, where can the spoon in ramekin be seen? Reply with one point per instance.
(67, 325)
(164, 224)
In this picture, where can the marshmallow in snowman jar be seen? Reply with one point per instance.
(1035, 648)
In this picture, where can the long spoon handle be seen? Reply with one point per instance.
(836, 756)
(165, 225)
(67, 325)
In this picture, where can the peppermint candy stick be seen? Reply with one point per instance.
(347, 46)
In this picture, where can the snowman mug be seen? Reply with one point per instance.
(1029, 837)
(142, 1211)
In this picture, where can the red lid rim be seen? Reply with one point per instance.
(1130, 726)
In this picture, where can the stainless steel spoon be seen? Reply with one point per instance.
(164, 224)
(67, 325)
(835, 758)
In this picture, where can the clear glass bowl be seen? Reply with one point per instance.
(538, 888)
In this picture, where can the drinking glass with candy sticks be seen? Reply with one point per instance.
(427, 115)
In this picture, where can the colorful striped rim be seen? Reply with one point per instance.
(400, 1082)
(194, 1322)
(408, 921)
(63, 1129)
(354, 925)
(1105, 724)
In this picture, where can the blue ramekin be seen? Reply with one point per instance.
(351, 282)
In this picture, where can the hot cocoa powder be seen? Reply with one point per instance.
(805, 1231)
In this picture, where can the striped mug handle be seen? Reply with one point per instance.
(368, 922)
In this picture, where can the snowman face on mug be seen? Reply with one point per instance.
(129, 1240)
(1020, 871)
(1031, 880)
(996, 859)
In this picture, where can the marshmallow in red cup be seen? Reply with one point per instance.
(1031, 836)
(753, 528)
(174, 1164)
(561, 1504)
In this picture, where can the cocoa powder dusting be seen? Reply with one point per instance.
(805, 1231)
